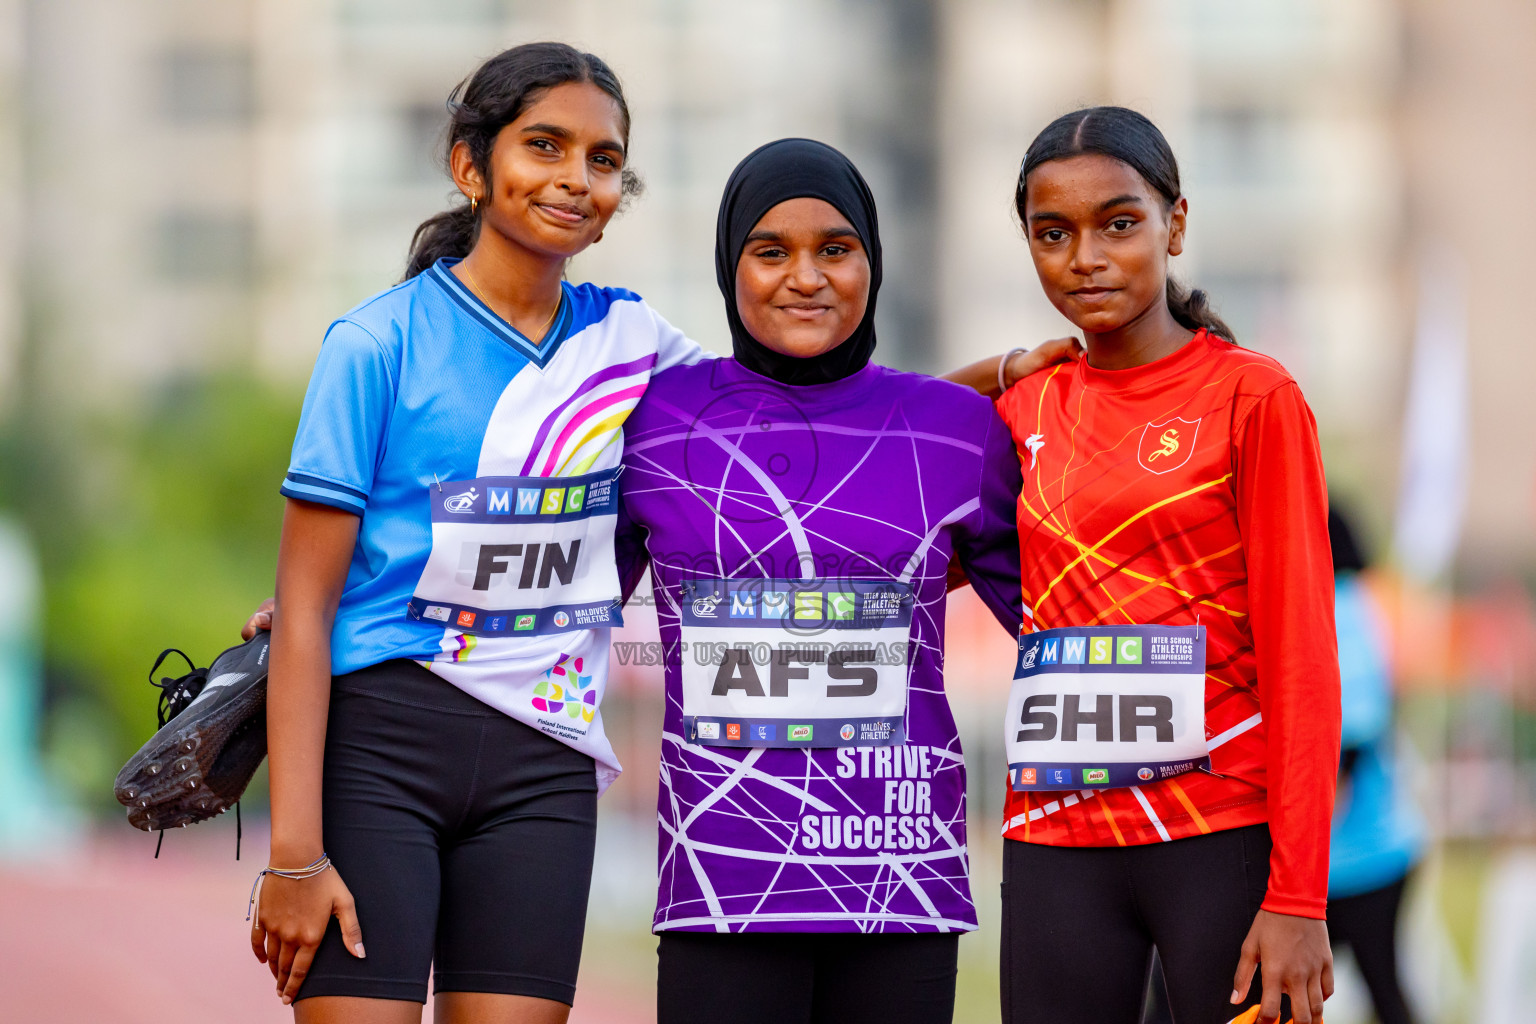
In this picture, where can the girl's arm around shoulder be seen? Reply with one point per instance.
(995, 375)
(673, 347)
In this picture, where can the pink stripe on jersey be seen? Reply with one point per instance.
(633, 392)
(634, 366)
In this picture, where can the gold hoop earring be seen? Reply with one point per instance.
(474, 206)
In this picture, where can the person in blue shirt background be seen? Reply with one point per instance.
(1378, 836)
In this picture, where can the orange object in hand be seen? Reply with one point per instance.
(1251, 1015)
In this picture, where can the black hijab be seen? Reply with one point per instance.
(772, 174)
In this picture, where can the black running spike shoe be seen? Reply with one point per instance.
(212, 738)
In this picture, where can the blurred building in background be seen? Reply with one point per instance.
(230, 178)
(199, 186)
(190, 192)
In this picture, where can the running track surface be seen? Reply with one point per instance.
(105, 934)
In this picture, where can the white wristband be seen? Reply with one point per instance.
(1002, 368)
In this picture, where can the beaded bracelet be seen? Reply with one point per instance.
(319, 866)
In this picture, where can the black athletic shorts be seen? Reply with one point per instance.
(800, 978)
(465, 836)
(1080, 923)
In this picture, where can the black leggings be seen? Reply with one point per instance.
(1080, 924)
(465, 836)
(798, 978)
(1367, 924)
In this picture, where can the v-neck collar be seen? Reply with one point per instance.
(538, 353)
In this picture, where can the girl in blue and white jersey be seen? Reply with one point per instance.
(446, 580)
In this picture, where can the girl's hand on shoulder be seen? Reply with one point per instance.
(1046, 354)
(1297, 961)
(995, 374)
(291, 919)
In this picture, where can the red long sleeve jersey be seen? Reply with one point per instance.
(1190, 491)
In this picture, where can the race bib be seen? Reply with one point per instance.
(1107, 706)
(787, 663)
(522, 556)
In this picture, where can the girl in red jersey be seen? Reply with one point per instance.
(1171, 479)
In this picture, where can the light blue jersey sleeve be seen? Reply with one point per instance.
(345, 420)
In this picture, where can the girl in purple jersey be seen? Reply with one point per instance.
(799, 507)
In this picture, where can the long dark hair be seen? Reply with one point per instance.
(1130, 138)
(485, 103)
(1349, 554)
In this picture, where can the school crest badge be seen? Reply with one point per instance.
(1167, 445)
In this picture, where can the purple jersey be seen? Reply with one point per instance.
(882, 476)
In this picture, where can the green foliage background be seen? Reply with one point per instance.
(155, 529)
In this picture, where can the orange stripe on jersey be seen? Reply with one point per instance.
(1109, 816)
(1183, 798)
